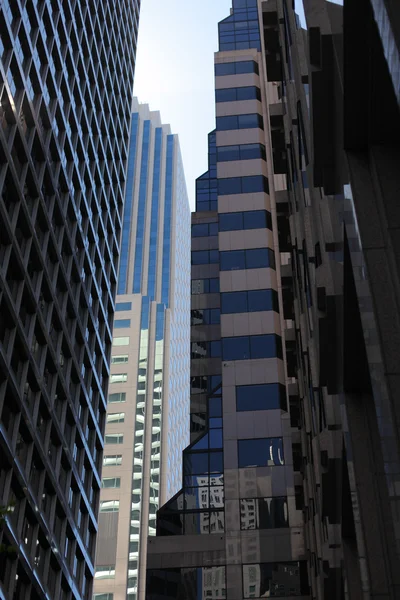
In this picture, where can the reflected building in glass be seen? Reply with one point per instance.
(295, 314)
(148, 403)
(66, 86)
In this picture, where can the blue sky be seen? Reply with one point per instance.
(175, 71)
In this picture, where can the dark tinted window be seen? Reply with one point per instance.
(263, 513)
(242, 185)
(254, 346)
(236, 94)
(253, 219)
(242, 152)
(250, 121)
(205, 286)
(286, 579)
(214, 285)
(203, 257)
(206, 316)
(266, 396)
(249, 301)
(204, 229)
(232, 260)
(262, 452)
(236, 68)
(206, 349)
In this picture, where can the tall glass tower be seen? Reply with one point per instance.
(148, 403)
(66, 78)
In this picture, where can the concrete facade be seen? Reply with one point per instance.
(148, 400)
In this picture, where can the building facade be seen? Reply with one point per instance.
(237, 523)
(149, 394)
(66, 79)
(306, 155)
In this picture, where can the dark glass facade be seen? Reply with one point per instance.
(66, 78)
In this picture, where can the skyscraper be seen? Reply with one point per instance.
(235, 530)
(66, 73)
(316, 94)
(148, 411)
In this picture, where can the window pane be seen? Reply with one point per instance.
(227, 123)
(213, 229)
(200, 257)
(112, 460)
(250, 151)
(115, 418)
(263, 346)
(123, 306)
(121, 323)
(236, 348)
(118, 397)
(200, 286)
(255, 219)
(109, 506)
(225, 69)
(246, 66)
(200, 230)
(214, 256)
(215, 349)
(196, 463)
(214, 285)
(225, 153)
(252, 184)
(261, 300)
(230, 221)
(248, 93)
(232, 260)
(273, 579)
(117, 360)
(263, 452)
(118, 377)
(234, 302)
(258, 397)
(225, 95)
(216, 462)
(114, 438)
(259, 258)
(111, 482)
(120, 341)
(214, 407)
(249, 121)
(229, 185)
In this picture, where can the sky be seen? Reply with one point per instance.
(175, 72)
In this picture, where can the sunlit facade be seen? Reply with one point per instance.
(66, 86)
(148, 411)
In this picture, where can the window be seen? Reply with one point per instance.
(118, 360)
(236, 68)
(251, 121)
(109, 506)
(249, 301)
(275, 580)
(120, 341)
(105, 572)
(176, 583)
(116, 418)
(266, 396)
(106, 596)
(237, 94)
(112, 460)
(116, 398)
(121, 323)
(205, 286)
(114, 438)
(252, 219)
(206, 349)
(262, 452)
(206, 316)
(204, 229)
(123, 306)
(203, 384)
(241, 152)
(233, 260)
(118, 378)
(204, 257)
(243, 185)
(263, 513)
(111, 482)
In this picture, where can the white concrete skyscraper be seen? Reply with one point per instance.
(148, 403)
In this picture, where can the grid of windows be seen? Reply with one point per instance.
(66, 84)
(240, 30)
(141, 214)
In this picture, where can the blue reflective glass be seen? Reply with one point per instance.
(214, 285)
(224, 69)
(216, 462)
(214, 256)
(226, 153)
(227, 123)
(250, 121)
(257, 219)
(215, 349)
(260, 397)
(200, 230)
(166, 260)
(141, 216)
(225, 95)
(121, 323)
(230, 185)
(236, 348)
(213, 229)
(232, 260)
(123, 306)
(195, 463)
(215, 438)
(155, 201)
(233, 302)
(260, 258)
(215, 407)
(263, 346)
(230, 221)
(262, 452)
(255, 183)
(247, 66)
(259, 300)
